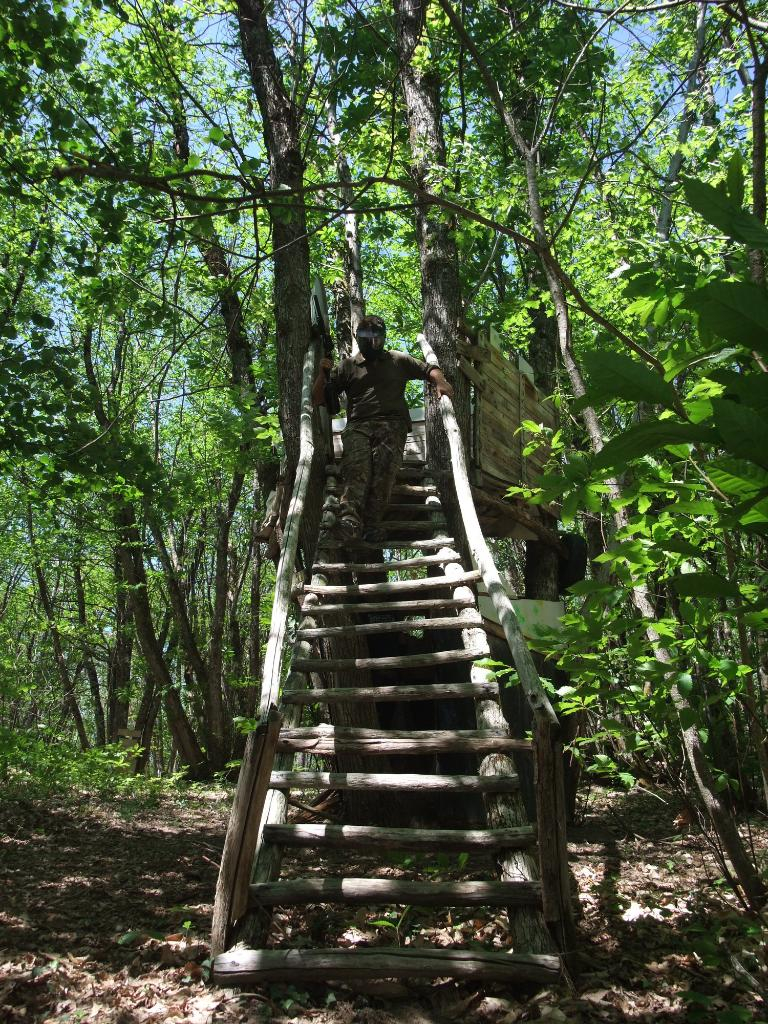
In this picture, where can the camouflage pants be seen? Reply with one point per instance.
(373, 452)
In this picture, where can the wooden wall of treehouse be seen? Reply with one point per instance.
(504, 395)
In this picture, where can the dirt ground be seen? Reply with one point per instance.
(104, 916)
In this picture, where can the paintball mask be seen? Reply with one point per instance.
(371, 337)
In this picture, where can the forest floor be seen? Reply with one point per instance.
(105, 911)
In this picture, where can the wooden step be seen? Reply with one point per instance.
(332, 739)
(403, 661)
(395, 565)
(296, 892)
(418, 492)
(246, 967)
(360, 608)
(395, 587)
(411, 508)
(394, 782)
(378, 694)
(408, 526)
(416, 544)
(373, 836)
(408, 471)
(400, 626)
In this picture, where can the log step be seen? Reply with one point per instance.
(408, 471)
(296, 892)
(391, 782)
(417, 491)
(422, 605)
(416, 544)
(395, 587)
(404, 661)
(400, 626)
(395, 565)
(401, 506)
(378, 694)
(333, 739)
(376, 837)
(410, 525)
(245, 967)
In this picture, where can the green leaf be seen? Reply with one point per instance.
(724, 214)
(738, 477)
(614, 375)
(648, 437)
(684, 682)
(704, 584)
(733, 310)
(744, 433)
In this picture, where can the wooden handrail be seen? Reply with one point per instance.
(246, 817)
(550, 800)
(483, 559)
(273, 656)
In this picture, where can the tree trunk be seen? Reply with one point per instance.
(438, 256)
(120, 658)
(290, 248)
(353, 268)
(132, 563)
(67, 683)
(88, 662)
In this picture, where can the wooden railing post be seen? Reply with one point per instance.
(550, 791)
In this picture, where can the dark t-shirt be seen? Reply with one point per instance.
(376, 387)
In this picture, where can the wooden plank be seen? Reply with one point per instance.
(231, 900)
(246, 967)
(331, 739)
(410, 525)
(414, 543)
(396, 587)
(475, 353)
(414, 471)
(403, 661)
(375, 837)
(375, 628)
(472, 373)
(395, 565)
(369, 607)
(393, 782)
(412, 508)
(297, 892)
(553, 856)
(422, 691)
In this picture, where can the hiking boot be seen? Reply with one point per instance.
(348, 528)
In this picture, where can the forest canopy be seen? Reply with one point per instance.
(587, 179)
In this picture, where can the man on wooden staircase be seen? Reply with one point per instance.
(378, 422)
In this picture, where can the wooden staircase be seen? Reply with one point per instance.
(374, 638)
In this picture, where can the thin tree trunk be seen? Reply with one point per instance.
(756, 256)
(67, 683)
(120, 658)
(135, 574)
(216, 731)
(353, 267)
(88, 662)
